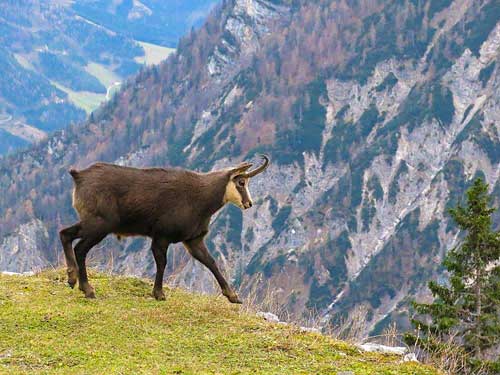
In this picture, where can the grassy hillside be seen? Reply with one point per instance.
(153, 54)
(48, 328)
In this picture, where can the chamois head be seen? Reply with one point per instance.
(237, 191)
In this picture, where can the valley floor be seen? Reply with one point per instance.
(45, 327)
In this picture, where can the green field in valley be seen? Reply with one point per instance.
(153, 54)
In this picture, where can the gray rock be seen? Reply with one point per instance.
(7, 273)
(270, 317)
(410, 357)
(378, 348)
(310, 329)
(23, 250)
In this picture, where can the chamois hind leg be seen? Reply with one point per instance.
(159, 247)
(67, 236)
(92, 233)
(200, 252)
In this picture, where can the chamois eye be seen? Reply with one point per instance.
(241, 183)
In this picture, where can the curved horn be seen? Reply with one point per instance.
(260, 169)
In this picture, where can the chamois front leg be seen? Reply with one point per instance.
(200, 252)
(159, 247)
(92, 232)
(81, 250)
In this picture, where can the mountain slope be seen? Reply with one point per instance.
(377, 115)
(48, 328)
(61, 59)
(156, 22)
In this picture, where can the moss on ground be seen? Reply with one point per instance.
(47, 328)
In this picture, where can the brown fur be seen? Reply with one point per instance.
(175, 204)
(168, 205)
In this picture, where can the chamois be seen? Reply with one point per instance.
(167, 205)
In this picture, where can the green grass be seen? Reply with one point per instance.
(104, 74)
(88, 101)
(47, 328)
(154, 54)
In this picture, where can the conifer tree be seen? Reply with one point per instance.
(466, 310)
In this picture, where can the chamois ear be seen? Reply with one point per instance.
(240, 169)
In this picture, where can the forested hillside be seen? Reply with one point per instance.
(61, 59)
(377, 115)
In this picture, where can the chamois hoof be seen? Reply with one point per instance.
(236, 301)
(72, 276)
(159, 295)
(90, 295)
(233, 298)
(88, 290)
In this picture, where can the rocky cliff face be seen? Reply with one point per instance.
(25, 250)
(377, 116)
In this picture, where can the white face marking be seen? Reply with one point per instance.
(232, 195)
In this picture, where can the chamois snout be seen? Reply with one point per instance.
(246, 200)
